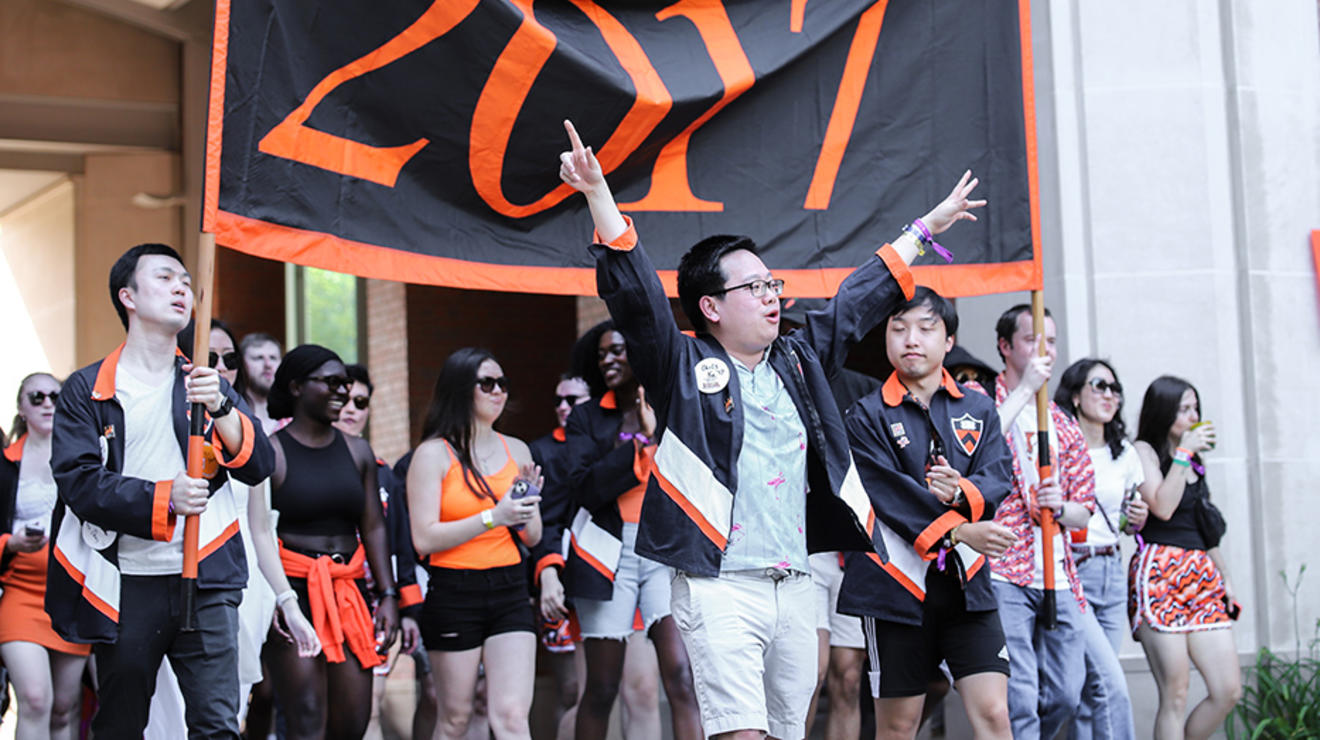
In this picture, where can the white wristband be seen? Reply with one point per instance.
(286, 596)
(487, 519)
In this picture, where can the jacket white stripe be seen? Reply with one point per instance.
(854, 494)
(683, 468)
(903, 556)
(222, 511)
(100, 577)
(596, 542)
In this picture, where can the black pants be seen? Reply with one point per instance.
(205, 661)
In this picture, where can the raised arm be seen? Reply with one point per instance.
(867, 295)
(579, 168)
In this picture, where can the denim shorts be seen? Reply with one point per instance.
(464, 607)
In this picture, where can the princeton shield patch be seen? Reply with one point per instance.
(967, 430)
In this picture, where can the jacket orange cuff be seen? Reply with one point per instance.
(898, 269)
(162, 519)
(975, 501)
(931, 535)
(244, 452)
(339, 613)
(623, 242)
(410, 595)
(554, 559)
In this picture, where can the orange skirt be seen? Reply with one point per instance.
(1175, 590)
(23, 616)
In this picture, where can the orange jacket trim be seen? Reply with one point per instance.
(410, 595)
(623, 242)
(898, 575)
(591, 560)
(338, 610)
(554, 559)
(974, 499)
(714, 535)
(244, 452)
(14, 452)
(899, 269)
(110, 612)
(931, 535)
(162, 519)
(219, 541)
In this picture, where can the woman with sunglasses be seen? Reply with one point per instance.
(45, 669)
(611, 443)
(471, 515)
(330, 523)
(1089, 391)
(1180, 599)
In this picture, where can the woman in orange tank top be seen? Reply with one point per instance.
(469, 527)
(46, 669)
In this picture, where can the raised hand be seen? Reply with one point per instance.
(645, 415)
(578, 166)
(956, 207)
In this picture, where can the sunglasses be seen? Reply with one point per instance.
(572, 400)
(1102, 386)
(362, 402)
(333, 382)
(230, 358)
(36, 398)
(487, 385)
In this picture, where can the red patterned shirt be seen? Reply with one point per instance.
(1072, 466)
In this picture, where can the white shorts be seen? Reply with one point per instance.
(640, 584)
(752, 642)
(827, 577)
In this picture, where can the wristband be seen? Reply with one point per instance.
(928, 238)
(488, 519)
(388, 594)
(1182, 456)
(171, 506)
(953, 536)
(286, 596)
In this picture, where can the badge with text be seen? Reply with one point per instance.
(712, 375)
(967, 431)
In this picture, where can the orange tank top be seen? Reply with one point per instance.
(493, 548)
(630, 503)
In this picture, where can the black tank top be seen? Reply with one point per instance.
(322, 491)
(1179, 530)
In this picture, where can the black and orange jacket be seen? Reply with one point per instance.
(394, 499)
(693, 387)
(600, 471)
(97, 503)
(556, 504)
(893, 438)
(9, 496)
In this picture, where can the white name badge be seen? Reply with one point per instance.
(712, 375)
(97, 538)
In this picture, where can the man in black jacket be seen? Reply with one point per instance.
(752, 471)
(121, 432)
(935, 464)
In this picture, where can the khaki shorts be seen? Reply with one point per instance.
(751, 639)
(827, 576)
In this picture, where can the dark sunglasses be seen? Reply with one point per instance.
(571, 399)
(362, 402)
(1101, 386)
(487, 385)
(333, 382)
(230, 358)
(36, 398)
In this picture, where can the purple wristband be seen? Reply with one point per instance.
(930, 239)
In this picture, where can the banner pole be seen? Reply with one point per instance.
(1048, 611)
(204, 281)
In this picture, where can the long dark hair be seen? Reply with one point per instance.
(19, 427)
(450, 414)
(586, 357)
(1159, 409)
(1074, 379)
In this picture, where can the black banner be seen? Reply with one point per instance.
(420, 143)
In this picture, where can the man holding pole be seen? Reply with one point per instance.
(117, 560)
(1043, 632)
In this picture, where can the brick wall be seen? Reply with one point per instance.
(387, 359)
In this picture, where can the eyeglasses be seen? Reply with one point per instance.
(572, 400)
(362, 402)
(333, 382)
(230, 358)
(487, 385)
(1102, 386)
(757, 287)
(36, 398)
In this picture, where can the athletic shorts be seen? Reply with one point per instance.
(1176, 590)
(905, 658)
(827, 577)
(464, 607)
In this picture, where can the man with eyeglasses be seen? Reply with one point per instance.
(118, 455)
(753, 470)
(1049, 666)
(933, 459)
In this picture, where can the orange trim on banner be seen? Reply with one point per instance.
(329, 252)
(215, 115)
(1029, 131)
(1315, 254)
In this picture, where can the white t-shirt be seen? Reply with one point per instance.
(151, 452)
(1113, 479)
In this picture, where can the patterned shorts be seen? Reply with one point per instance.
(1175, 590)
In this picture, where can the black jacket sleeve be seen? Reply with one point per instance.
(599, 472)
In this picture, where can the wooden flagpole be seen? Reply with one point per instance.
(204, 282)
(1048, 612)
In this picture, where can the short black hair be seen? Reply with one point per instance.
(938, 304)
(358, 372)
(700, 274)
(1006, 326)
(123, 273)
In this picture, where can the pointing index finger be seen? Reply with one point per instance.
(573, 136)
